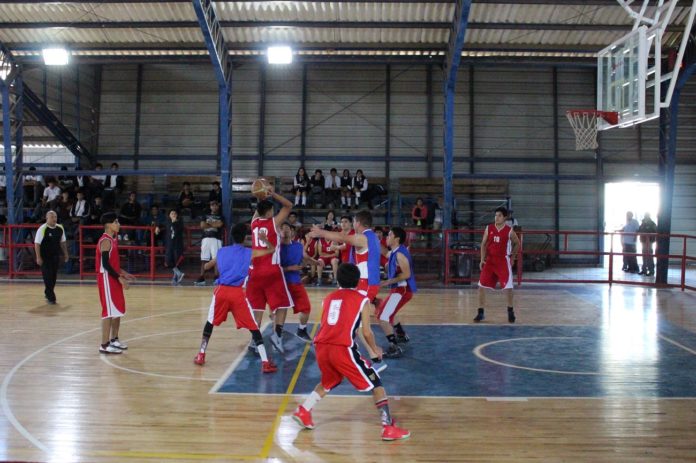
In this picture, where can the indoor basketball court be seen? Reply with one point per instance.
(570, 113)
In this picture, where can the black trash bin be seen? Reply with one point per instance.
(463, 264)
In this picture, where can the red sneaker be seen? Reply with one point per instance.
(394, 433)
(268, 367)
(200, 359)
(303, 417)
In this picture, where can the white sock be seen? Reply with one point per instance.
(297, 200)
(262, 353)
(357, 199)
(311, 401)
(348, 201)
(343, 200)
(304, 200)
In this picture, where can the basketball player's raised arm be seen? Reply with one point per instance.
(515, 246)
(483, 247)
(358, 240)
(285, 208)
(367, 333)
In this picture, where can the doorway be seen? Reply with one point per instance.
(622, 197)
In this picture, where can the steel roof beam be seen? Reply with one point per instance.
(326, 25)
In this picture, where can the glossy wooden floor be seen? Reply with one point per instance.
(62, 401)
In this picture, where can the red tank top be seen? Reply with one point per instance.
(498, 243)
(312, 247)
(345, 253)
(326, 246)
(340, 317)
(113, 254)
(269, 261)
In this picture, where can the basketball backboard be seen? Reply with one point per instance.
(622, 77)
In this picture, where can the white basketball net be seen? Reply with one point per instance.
(585, 127)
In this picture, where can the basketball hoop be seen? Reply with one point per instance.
(584, 123)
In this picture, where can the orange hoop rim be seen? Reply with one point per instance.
(610, 116)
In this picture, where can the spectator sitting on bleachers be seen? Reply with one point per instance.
(154, 218)
(293, 221)
(186, 199)
(66, 182)
(51, 194)
(381, 234)
(359, 186)
(63, 206)
(96, 210)
(216, 193)
(332, 186)
(113, 185)
(317, 188)
(328, 256)
(330, 222)
(419, 214)
(96, 183)
(300, 187)
(311, 247)
(79, 212)
(346, 189)
(33, 188)
(130, 213)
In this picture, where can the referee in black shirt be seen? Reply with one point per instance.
(49, 244)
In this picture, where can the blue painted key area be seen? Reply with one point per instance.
(512, 361)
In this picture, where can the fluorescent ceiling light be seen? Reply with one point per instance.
(279, 55)
(55, 56)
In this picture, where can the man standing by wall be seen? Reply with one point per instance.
(628, 242)
(647, 238)
(49, 244)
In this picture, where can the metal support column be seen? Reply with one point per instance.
(668, 153)
(556, 170)
(138, 113)
(387, 124)
(218, 51)
(11, 87)
(303, 122)
(453, 58)
(472, 142)
(429, 120)
(262, 119)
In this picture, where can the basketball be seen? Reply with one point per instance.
(260, 189)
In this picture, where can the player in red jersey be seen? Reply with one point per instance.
(367, 256)
(266, 284)
(345, 249)
(337, 353)
(498, 252)
(328, 256)
(111, 281)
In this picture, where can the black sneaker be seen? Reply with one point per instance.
(479, 317)
(511, 316)
(402, 338)
(393, 352)
(302, 334)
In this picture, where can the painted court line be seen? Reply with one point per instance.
(7, 410)
(288, 393)
(672, 341)
(221, 380)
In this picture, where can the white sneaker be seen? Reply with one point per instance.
(109, 350)
(118, 344)
(180, 277)
(277, 343)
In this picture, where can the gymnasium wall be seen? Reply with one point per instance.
(504, 125)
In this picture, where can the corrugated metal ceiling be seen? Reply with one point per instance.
(565, 26)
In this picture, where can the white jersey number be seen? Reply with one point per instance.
(258, 242)
(334, 312)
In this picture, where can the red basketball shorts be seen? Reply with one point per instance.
(338, 362)
(369, 291)
(326, 260)
(228, 299)
(268, 287)
(397, 298)
(300, 298)
(496, 270)
(111, 296)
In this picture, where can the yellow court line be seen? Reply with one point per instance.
(174, 456)
(284, 404)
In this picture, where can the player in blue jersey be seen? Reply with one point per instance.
(402, 282)
(292, 258)
(233, 266)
